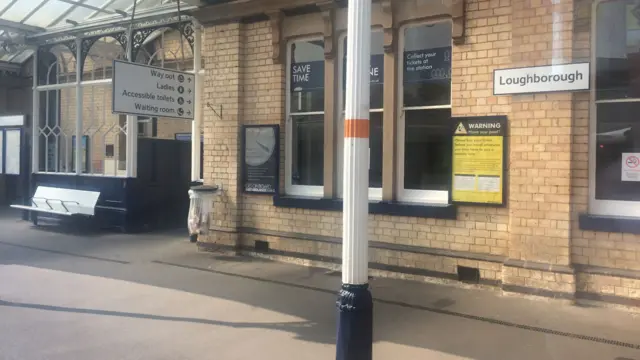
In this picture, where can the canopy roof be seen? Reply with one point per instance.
(23, 21)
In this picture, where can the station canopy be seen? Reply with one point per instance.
(23, 22)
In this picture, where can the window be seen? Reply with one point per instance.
(85, 153)
(424, 130)
(375, 116)
(615, 131)
(147, 126)
(305, 118)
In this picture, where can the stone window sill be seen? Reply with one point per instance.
(448, 212)
(617, 224)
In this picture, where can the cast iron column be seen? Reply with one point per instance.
(355, 306)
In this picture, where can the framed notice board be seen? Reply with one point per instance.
(260, 158)
(479, 160)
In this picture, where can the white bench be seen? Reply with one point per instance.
(60, 201)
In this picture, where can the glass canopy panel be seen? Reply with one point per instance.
(20, 10)
(50, 11)
(53, 14)
(78, 14)
(4, 4)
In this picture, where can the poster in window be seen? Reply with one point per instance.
(307, 76)
(376, 70)
(427, 65)
(85, 153)
(261, 160)
(51, 155)
(479, 155)
(1, 153)
(630, 166)
(12, 152)
(186, 137)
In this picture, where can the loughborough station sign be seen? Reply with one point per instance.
(541, 79)
(152, 91)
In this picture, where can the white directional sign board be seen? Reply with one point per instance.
(151, 91)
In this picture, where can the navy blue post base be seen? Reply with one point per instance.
(355, 323)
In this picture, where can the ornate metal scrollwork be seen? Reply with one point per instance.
(59, 39)
(186, 30)
(139, 36)
(71, 45)
(121, 38)
(86, 45)
(107, 31)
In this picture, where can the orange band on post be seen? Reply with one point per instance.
(356, 128)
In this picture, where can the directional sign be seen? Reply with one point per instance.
(151, 91)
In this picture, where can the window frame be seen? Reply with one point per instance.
(291, 189)
(597, 206)
(375, 194)
(438, 197)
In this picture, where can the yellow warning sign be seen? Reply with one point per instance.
(478, 160)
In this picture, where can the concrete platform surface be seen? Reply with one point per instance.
(153, 296)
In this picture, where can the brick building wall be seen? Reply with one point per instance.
(222, 54)
(533, 245)
(478, 230)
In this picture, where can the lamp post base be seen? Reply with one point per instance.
(355, 323)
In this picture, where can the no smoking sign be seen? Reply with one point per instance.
(630, 167)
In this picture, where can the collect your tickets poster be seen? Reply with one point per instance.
(479, 160)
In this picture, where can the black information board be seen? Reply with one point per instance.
(260, 158)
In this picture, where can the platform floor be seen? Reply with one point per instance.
(153, 296)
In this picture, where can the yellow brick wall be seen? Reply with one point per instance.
(609, 285)
(539, 279)
(222, 53)
(540, 155)
(481, 230)
(256, 85)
